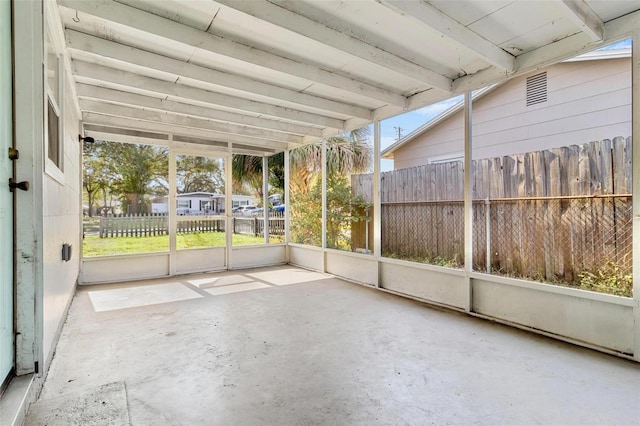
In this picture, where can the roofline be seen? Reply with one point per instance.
(624, 52)
(387, 153)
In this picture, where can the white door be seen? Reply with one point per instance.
(6, 198)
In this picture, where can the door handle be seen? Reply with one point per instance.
(24, 185)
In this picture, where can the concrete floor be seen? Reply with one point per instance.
(285, 346)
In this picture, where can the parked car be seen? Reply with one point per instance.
(248, 210)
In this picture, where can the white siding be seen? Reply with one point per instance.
(61, 224)
(587, 101)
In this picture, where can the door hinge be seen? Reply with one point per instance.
(14, 154)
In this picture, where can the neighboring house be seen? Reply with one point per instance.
(584, 99)
(199, 203)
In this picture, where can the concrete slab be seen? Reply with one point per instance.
(122, 298)
(287, 276)
(218, 281)
(236, 288)
(104, 405)
(324, 351)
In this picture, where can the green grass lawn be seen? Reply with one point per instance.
(96, 246)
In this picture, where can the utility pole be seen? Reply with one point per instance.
(399, 129)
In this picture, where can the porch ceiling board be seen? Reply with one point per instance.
(132, 82)
(279, 73)
(215, 80)
(154, 126)
(102, 94)
(223, 47)
(186, 121)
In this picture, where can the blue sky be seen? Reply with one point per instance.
(410, 121)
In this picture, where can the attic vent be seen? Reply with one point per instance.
(537, 89)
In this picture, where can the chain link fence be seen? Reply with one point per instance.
(424, 231)
(577, 241)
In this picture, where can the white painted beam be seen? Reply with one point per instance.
(133, 99)
(168, 29)
(129, 123)
(568, 47)
(281, 17)
(186, 121)
(453, 30)
(217, 79)
(122, 138)
(579, 12)
(137, 82)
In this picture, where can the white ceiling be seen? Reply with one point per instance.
(270, 75)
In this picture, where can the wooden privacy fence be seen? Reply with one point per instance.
(549, 214)
(158, 224)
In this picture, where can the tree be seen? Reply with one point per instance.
(346, 154)
(247, 173)
(343, 208)
(93, 180)
(130, 172)
(139, 170)
(199, 174)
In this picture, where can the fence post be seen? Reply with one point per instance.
(487, 213)
(255, 226)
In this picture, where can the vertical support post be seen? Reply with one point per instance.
(635, 163)
(172, 215)
(468, 202)
(377, 206)
(265, 198)
(324, 193)
(287, 201)
(228, 204)
(324, 204)
(487, 213)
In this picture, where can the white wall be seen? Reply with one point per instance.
(61, 224)
(587, 101)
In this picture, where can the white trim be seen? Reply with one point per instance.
(635, 164)
(53, 170)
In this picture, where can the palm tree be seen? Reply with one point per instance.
(346, 154)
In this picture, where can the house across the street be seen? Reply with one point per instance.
(198, 203)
